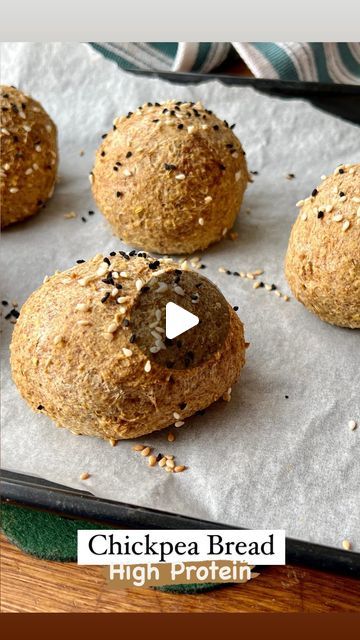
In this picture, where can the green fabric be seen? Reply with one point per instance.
(52, 537)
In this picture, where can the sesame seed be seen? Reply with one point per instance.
(127, 352)
(201, 222)
(180, 176)
(337, 217)
(304, 216)
(138, 284)
(176, 416)
(169, 167)
(162, 462)
(179, 290)
(40, 407)
(147, 367)
(207, 199)
(57, 339)
(138, 447)
(237, 176)
(179, 468)
(152, 461)
(170, 464)
(179, 423)
(346, 225)
(113, 326)
(256, 285)
(299, 203)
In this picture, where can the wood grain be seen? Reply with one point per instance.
(38, 586)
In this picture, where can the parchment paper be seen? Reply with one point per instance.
(261, 460)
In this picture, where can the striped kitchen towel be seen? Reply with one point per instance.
(337, 62)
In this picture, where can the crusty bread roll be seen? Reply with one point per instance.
(75, 358)
(323, 258)
(170, 177)
(28, 155)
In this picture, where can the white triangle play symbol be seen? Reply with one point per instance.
(178, 320)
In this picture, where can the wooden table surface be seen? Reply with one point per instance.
(38, 586)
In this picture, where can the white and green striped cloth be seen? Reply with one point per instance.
(337, 62)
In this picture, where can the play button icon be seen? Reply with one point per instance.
(178, 320)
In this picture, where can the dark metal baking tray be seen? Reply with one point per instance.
(340, 100)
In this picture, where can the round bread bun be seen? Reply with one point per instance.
(73, 357)
(322, 262)
(170, 177)
(28, 155)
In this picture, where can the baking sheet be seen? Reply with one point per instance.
(262, 460)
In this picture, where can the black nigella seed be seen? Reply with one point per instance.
(320, 214)
(115, 169)
(178, 272)
(236, 273)
(105, 297)
(169, 167)
(314, 193)
(216, 127)
(172, 112)
(118, 285)
(129, 154)
(104, 135)
(80, 261)
(83, 219)
(114, 127)
(91, 213)
(233, 126)
(4, 303)
(341, 194)
(286, 397)
(177, 108)
(182, 405)
(157, 104)
(119, 194)
(118, 164)
(145, 289)
(107, 261)
(15, 313)
(112, 253)
(228, 272)
(273, 287)
(132, 338)
(149, 104)
(236, 308)
(203, 266)
(229, 145)
(254, 173)
(222, 166)
(126, 322)
(177, 280)
(165, 110)
(158, 457)
(129, 114)
(102, 154)
(341, 171)
(40, 407)
(156, 120)
(261, 284)
(132, 253)
(154, 265)
(180, 126)
(8, 315)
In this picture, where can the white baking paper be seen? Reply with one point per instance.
(262, 460)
